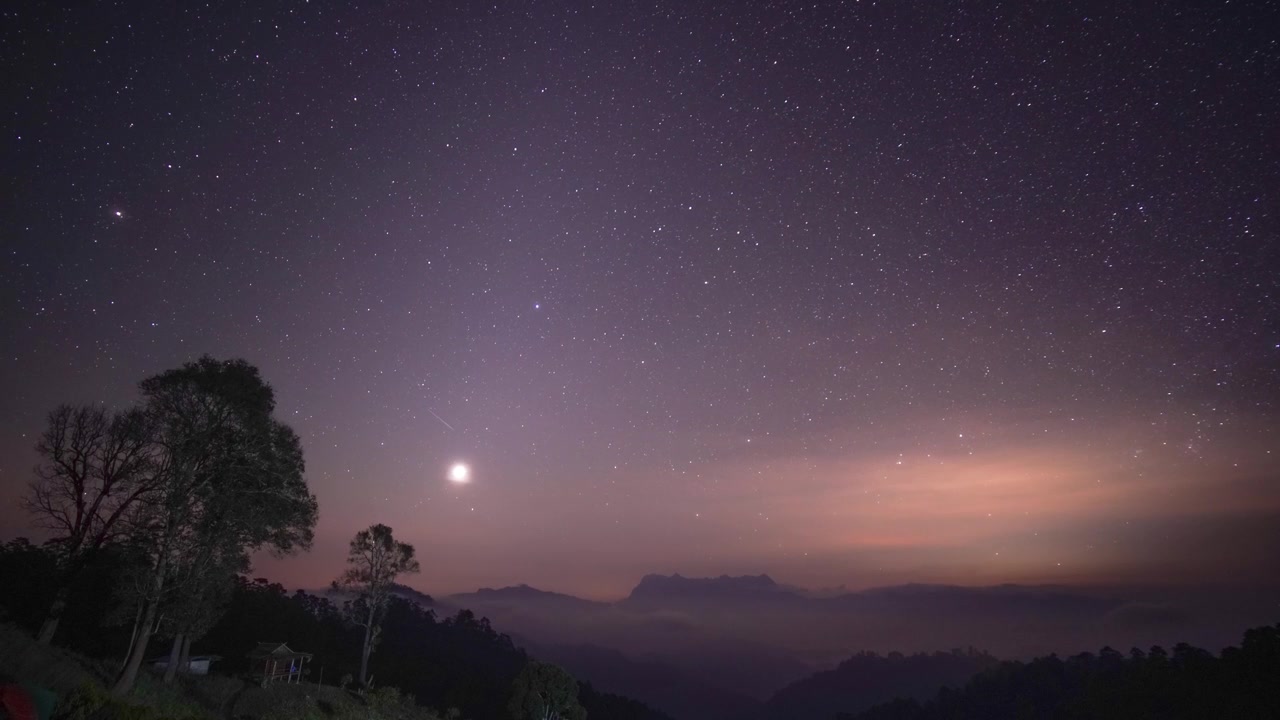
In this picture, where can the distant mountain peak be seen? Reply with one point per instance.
(521, 589)
(653, 586)
(520, 595)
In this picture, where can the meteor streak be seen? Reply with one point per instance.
(433, 414)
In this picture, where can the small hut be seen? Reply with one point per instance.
(277, 662)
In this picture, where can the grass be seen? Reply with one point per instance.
(80, 683)
(54, 668)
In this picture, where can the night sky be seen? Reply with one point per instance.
(849, 293)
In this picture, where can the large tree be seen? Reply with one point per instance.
(544, 691)
(95, 469)
(374, 561)
(228, 476)
(202, 588)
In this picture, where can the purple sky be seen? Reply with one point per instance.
(852, 294)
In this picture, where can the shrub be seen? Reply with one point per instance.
(92, 702)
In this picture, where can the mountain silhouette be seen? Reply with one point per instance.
(524, 597)
(867, 679)
(750, 636)
(720, 594)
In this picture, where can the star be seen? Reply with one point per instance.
(459, 473)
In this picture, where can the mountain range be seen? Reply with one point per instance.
(750, 648)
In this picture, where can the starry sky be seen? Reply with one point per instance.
(849, 293)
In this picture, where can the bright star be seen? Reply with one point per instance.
(459, 473)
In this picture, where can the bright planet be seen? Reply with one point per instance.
(459, 473)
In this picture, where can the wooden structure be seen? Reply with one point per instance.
(277, 662)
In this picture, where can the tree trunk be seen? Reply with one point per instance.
(51, 620)
(184, 660)
(133, 637)
(175, 655)
(129, 674)
(364, 654)
(368, 645)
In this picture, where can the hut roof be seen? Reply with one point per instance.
(276, 650)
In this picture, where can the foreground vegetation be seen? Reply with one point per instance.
(1242, 682)
(452, 667)
(80, 685)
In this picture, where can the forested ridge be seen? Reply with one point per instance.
(1188, 682)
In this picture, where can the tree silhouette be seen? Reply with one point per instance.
(95, 467)
(544, 691)
(228, 479)
(375, 560)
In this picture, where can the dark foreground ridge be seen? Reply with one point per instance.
(1188, 683)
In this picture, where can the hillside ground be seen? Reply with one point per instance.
(80, 687)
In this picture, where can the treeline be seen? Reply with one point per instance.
(459, 662)
(1241, 682)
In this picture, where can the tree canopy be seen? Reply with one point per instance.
(96, 467)
(374, 561)
(544, 691)
(227, 479)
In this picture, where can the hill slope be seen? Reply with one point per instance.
(867, 679)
